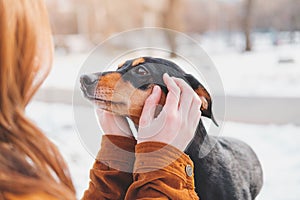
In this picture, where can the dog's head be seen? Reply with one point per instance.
(125, 90)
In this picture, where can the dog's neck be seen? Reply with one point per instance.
(197, 141)
(200, 133)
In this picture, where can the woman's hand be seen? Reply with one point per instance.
(178, 120)
(113, 124)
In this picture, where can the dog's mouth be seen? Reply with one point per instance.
(93, 98)
(106, 102)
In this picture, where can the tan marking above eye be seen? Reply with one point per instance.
(121, 64)
(137, 62)
(109, 80)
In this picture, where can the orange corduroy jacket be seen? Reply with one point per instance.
(149, 170)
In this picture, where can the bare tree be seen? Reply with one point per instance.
(172, 19)
(247, 24)
(294, 19)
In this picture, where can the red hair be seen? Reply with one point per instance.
(29, 162)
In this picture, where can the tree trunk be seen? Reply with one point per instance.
(172, 19)
(247, 24)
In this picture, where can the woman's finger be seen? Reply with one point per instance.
(151, 102)
(195, 112)
(186, 98)
(173, 96)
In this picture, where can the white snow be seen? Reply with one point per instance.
(267, 71)
(278, 150)
(260, 73)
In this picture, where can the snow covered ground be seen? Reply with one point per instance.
(276, 146)
(269, 72)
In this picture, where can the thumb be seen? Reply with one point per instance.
(151, 102)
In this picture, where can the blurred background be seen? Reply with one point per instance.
(255, 45)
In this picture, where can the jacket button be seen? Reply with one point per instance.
(189, 170)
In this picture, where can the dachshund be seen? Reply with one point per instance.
(230, 171)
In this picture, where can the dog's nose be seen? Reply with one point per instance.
(89, 79)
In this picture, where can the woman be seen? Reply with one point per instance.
(31, 167)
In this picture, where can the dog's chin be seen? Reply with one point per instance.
(101, 103)
(110, 106)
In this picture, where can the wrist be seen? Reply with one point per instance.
(117, 152)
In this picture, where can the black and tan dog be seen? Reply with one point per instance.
(231, 171)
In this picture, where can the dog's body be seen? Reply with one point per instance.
(230, 171)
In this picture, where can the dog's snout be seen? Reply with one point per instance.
(89, 79)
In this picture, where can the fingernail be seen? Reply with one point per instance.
(166, 75)
(155, 89)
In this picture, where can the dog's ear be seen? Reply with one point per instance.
(205, 97)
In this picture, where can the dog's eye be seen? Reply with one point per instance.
(141, 71)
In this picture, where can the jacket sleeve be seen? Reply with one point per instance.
(111, 174)
(161, 172)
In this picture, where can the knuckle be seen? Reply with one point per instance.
(172, 116)
(143, 122)
(183, 83)
(190, 92)
(180, 81)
